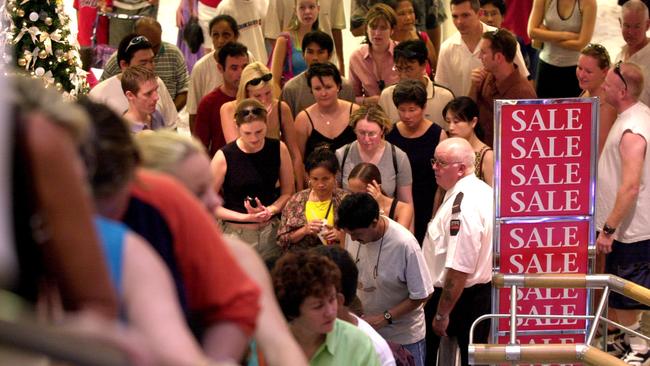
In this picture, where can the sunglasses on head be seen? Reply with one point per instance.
(617, 71)
(265, 78)
(251, 111)
(135, 41)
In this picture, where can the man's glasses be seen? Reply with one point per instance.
(617, 71)
(254, 111)
(136, 41)
(442, 163)
(265, 78)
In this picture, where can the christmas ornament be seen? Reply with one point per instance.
(22, 62)
(39, 71)
(42, 54)
(33, 16)
(48, 21)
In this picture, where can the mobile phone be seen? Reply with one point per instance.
(252, 202)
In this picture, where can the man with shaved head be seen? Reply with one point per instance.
(634, 25)
(622, 204)
(458, 250)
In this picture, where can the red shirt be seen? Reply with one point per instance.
(213, 285)
(208, 120)
(86, 15)
(210, 3)
(516, 18)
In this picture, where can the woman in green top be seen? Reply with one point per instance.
(307, 287)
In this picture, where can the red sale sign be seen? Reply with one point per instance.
(545, 160)
(552, 247)
(545, 171)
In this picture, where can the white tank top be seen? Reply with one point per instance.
(552, 53)
(636, 224)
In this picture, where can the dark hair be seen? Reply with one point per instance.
(502, 41)
(322, 39)
(322, 69)
(465, 109)
(410, 91)
(322, 157)
(232, 23)
(499, 4)
(411, 50)
(476, 6)
(357, 211)
(115, 153)
(126, 50)
(349, 270)
(366, 172)
(231, 49)
(599, 52)
(299, 275)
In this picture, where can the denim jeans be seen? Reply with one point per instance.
(418, 350)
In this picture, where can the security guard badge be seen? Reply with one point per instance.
(454, 224)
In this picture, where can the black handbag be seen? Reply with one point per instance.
(193, 34)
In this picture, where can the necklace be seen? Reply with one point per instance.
(375, 271)
(327, 120)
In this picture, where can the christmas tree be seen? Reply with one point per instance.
(37, 32)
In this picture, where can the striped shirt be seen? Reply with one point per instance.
(170, 67)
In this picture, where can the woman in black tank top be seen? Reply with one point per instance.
(247, 172)
(366, 177)
(325, 122)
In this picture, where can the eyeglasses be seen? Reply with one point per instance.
(617, 71)
(442, 163)
(406, 69)
(254, 111)
(135, 41)
(370, 134)
(265, 78)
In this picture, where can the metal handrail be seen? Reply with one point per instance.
(555, 353)
(541, 353)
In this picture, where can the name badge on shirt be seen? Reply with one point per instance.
(454, 227)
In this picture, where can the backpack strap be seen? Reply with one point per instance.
(392, 150)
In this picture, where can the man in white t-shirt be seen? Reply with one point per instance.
(458, 250)
(459, 54)
(134, 50)
(394, 282)
(249, 15)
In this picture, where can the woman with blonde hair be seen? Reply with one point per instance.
(185, 159)
(257, 82)
(565, 27)
(182, 157)
(593, 65)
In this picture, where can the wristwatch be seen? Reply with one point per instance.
(388, 317)
(439, 317)
(608, 230)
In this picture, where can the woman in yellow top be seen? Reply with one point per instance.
(309, 216)
(257, 82)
